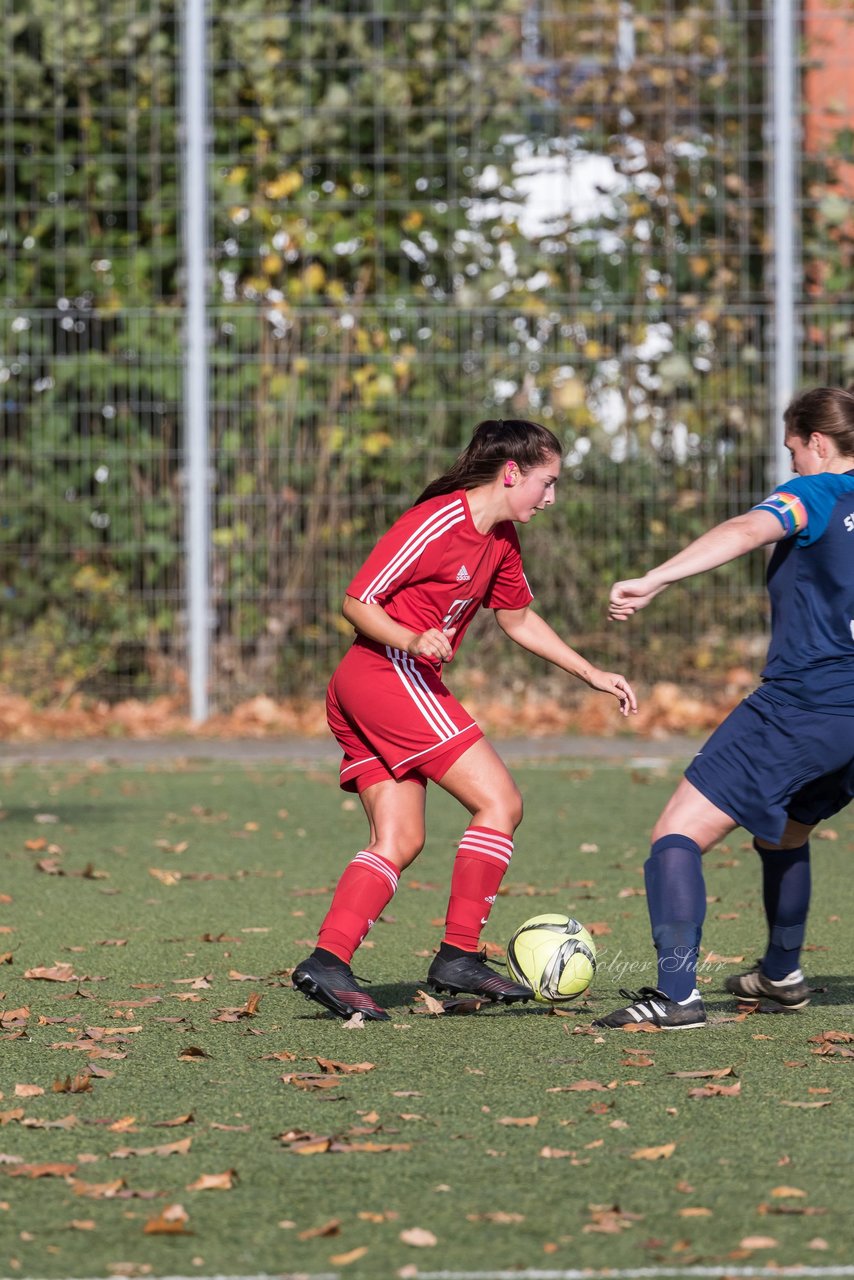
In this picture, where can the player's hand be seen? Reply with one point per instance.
(630, 596)
(435, 645)
(617, 685)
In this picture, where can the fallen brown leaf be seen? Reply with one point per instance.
(344, 1259)
(214, 1181)
(419, 1238)
(172, 1221)
(330, 1228)
(655, 1153)
(53, 973)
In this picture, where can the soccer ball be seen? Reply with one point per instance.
(554, 955)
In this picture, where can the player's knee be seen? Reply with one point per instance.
(515, 807)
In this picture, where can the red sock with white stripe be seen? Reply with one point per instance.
(363, 892)
(479, 867)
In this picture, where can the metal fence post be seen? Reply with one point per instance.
(196, 372)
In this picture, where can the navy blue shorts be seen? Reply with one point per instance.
(770, 761)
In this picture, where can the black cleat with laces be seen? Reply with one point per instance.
(653, 1006)
(335, 987)
(467, 973)
(790, 993)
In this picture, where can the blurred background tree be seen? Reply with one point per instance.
(422, 215)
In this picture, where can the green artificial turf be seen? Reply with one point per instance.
(181, 897)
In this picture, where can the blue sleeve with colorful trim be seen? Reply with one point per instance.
(804, 504)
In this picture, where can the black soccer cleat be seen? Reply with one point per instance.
(653, 1006)
(335, 987)
(790, 992)
(468, 974)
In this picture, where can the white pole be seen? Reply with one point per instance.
(197, 466)
(785, 130)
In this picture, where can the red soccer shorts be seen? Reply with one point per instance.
(393, 718)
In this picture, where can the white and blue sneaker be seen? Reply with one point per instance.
(653, 1006)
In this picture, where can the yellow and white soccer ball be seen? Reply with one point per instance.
(555, 955)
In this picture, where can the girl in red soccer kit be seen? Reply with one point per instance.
(453, 552)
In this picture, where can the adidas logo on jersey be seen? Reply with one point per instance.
(463, 574)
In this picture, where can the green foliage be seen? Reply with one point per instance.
(384, 274)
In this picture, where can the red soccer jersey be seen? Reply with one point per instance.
(434, 569)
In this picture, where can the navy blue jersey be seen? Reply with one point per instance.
(811, 584)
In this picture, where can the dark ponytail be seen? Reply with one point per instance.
(496, 441)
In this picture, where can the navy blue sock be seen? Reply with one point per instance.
(786, 889)
(676, 900)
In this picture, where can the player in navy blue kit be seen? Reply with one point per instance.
(783, 760)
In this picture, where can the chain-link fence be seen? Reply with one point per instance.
(421, 215)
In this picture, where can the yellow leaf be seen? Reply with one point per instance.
(782, 1192)
(655, 1153)
(343, 1259)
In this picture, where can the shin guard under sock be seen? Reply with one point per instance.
(361, 895)
(479, 867)
(676, 900)
(786, 891)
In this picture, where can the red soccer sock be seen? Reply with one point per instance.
(363, 892)
(479, 867)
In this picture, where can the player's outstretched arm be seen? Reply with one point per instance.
(717, 546)
(531, 632)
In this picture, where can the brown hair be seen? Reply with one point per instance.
(829, 410)
(496, 441)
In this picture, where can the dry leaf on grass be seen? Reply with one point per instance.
(214, 1181)
(344, 1259)
(716, 1091)
(172, 1221)
(330, 1228)
(419, 1238)
(663, 1152)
